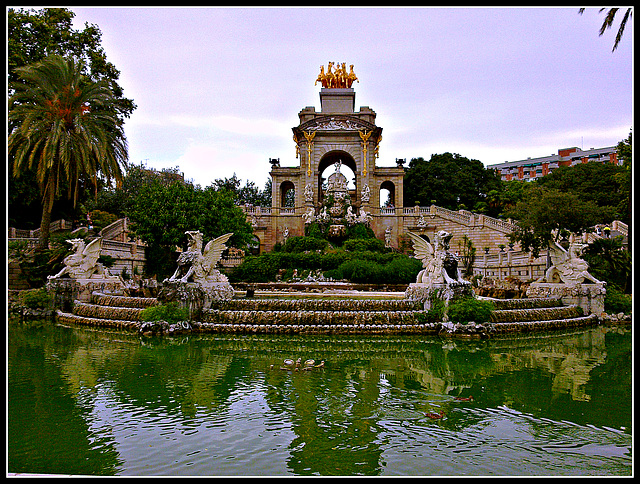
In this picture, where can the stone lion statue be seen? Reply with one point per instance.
(197, 265)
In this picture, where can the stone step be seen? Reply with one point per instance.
(535, 314)
(70, 318)
(107, 312)
(524, 303)
(306, 317)
(524, 327)
(345, 328)
(317, 305)
(322, 316)
(113, 300)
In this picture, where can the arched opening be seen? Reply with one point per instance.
(387, 195)
(327, 166)
(253, 247)
(287, 194)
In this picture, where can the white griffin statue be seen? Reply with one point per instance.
(567, 266)
(440, 266)
(83, 263)
(196, 265)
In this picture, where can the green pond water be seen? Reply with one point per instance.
(90, 402)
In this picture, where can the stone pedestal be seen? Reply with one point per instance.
(590, 297)
(334, 100)
(66, 290)
(194, 296)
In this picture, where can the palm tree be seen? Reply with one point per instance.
(63, 127)
(608, 22)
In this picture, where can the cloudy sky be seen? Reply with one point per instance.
(218, 90)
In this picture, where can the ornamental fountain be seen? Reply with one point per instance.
(566, 296)
(214, 307)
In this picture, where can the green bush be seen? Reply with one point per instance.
(370, 269)
(362, 245)
(402, 270)
(360, 266)
(616, 301)
(314, 230)
(435, 313)
(170, 312)
(304, 244)
(262, 268)
(35, 298)
(361, 271)
(360, 231)
(101, 219)
(465, 310)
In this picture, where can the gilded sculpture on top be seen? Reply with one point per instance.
(338, 79)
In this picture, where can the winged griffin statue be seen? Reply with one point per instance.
(567, 266)
(197, 265)
(83, 262)
(440, 266)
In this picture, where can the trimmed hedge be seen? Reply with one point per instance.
(360, 267)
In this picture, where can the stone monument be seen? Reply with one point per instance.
(568, 278)
(196, 283)
(81, 275)
(441, 277)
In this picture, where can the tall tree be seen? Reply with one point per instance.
(601, 183)
(625, 153)
(64, 128)
(36, 34)
(448, 180)
(543, 215)
(33, 35)
(162, 212)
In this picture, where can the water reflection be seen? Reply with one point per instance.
(96, 402)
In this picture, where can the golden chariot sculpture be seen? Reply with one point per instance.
(340, 79)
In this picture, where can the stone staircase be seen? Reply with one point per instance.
(535, 314)
(326, 316)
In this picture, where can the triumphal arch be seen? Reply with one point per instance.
(336, 139)
(336, 150)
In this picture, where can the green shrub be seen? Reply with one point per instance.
(35, 298)
(314, 230)
(616, 301)
(434, 314)
(101, 219)
(360, 266)
(369, 268)
(360, 231)
(262, 268)
(170, 312)
(402, 270)
(362, 245)
(467, 309)
(361, 271)
(303, 244)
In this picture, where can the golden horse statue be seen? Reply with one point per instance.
(351, 77)
(339, 79)
(322, 78)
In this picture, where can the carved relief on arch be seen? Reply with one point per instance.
(336, 123)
